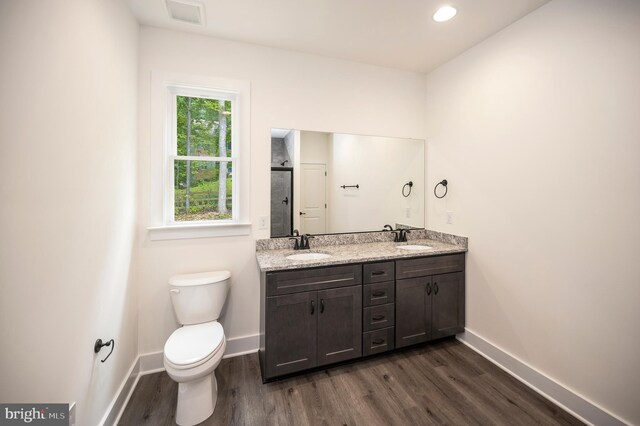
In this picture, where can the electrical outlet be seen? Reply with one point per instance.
(449, 218)
(72, 414)
(263, 222)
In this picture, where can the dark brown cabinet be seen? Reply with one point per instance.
(378, 314)
(377, 341)
(291, 333)
(339, 324)
(320, 316)
(413, 305)
(447, 305)
(307, 323)
(429, 307)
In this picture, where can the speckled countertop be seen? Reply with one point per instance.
(275, 260)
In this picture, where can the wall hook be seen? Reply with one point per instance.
(443, 182)
(99, 345)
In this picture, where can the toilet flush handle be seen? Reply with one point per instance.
(174, 290)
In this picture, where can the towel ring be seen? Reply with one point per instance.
(410, 185)
(443, 183)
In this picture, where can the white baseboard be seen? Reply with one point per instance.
(242, 345)
(577, 405)
(120, 400)
(151, 362)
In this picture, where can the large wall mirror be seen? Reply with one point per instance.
(325, 183)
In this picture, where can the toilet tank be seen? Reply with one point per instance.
(198, 298)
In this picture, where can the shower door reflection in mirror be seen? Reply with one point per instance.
(281, 201)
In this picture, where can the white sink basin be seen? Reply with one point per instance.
(414, 247)
(308, 256)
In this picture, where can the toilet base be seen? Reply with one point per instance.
(196, 400)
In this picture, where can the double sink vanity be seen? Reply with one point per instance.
(355, 295)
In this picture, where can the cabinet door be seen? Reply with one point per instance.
(339, 324)
(290, 341)
(447, 305)
(413, 311)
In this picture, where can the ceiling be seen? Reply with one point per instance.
(392, 33)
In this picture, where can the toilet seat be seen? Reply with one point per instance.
(193, 345)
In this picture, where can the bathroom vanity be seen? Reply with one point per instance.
(363, 299)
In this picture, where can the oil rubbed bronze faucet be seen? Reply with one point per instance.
(295, 234)
(303, 243)
(401, 235)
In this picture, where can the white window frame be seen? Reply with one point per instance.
(171, 150)
(163, 148)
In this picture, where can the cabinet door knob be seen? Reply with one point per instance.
(321, 305)
(313, 307)
(428, 288)
(435, 288)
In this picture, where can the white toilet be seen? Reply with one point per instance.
(193, 351)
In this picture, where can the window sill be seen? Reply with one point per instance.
(199, 230)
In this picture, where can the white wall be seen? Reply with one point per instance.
(537, 130)
(314, 147)
(68, 188)
(381, 166)
(288, 90)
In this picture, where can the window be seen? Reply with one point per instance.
(199, 151)
(200, 160)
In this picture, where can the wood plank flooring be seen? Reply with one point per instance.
(440, 383)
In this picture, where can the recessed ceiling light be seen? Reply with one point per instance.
(444, 13)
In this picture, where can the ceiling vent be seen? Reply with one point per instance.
(186, 11)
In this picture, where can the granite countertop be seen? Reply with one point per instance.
(275, 260)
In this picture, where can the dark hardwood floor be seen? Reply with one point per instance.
(441, 383)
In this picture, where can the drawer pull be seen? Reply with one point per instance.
(321, 305)
(377, 273)
(435, 287)
(377, 341)
(313, 307)
(378, 293)
(428, 288)
(378, 317)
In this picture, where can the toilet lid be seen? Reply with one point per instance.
(193, 343)
(201, 278)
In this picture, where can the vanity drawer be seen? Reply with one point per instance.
(299, 280)
(424, 266)
(378, 272)
(376, 317)
(378, 293)
(375, 342)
